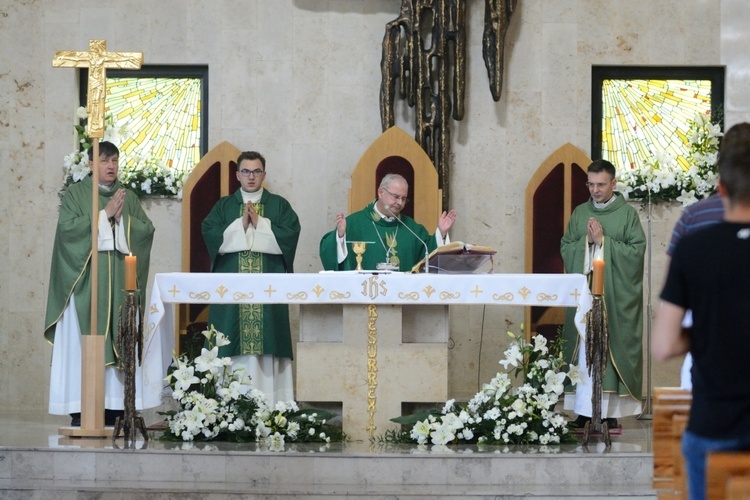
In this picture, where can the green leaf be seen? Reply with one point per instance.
(415, 417)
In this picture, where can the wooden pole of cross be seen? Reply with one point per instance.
(97, 60)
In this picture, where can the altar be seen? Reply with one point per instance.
(361, 335)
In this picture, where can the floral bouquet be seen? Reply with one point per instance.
(145, 176)
(219, 403)
(501, 413)
(665, 179)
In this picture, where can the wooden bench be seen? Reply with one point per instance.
(671, 407)
(728, 475)
(738, 488)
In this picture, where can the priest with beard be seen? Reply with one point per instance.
(392, 237)
(123, 229)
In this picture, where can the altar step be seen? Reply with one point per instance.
(304, 471)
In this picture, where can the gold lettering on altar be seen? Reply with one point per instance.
(372, 367)
(373, 287)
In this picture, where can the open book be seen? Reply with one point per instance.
(456, 257)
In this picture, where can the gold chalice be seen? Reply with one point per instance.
(359, 248)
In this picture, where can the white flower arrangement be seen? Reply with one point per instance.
(219, 403)
(145, 176)
(502, 413)
(666, 180)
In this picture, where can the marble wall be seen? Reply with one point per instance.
(299, 81)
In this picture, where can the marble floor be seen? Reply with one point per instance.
(33, 430)
(35, 461)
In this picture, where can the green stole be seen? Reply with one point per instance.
(251, 315)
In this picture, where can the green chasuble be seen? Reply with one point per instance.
(623, 248)
(367, 225)
(253, 329)
(70, 271)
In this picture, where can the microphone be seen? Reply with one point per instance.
(426, 251)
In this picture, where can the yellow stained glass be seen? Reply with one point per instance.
(162, 116)
(641, 117)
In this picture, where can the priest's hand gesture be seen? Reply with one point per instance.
(446, 221)
(115, 205)
(595, 232)
(250, 216)
(341, 224)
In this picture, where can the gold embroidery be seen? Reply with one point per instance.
(251, 315)
(545, 297)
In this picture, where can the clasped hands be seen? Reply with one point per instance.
(250, 216)
(594, 232)
(115, 205)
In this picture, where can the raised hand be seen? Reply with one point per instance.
(341, 224)
(446, 221)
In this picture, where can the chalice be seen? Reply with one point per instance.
(359, 248)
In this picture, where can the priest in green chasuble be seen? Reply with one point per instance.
(607, 228)
(254, 231)
(123, 229)
(398, 242)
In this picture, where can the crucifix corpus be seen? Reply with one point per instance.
(97, 60)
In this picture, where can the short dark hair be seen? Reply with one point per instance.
(106, 148)
(734, 164)
(602, 166)
(251, 155)
(739, 132)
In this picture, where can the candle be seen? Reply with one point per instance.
(130, 261)
(597, 283)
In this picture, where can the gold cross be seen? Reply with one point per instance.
(97, 59)
(270, 290)
(174, 291)
(476, 291)
(575, 294)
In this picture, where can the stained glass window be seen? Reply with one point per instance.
(637, 112)
(163, 110)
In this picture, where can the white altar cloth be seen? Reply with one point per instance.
(347, 287)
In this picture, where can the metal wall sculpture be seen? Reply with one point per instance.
(425, 50)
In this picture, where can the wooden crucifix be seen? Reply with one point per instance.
(97, 59)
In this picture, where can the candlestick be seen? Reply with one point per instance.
(130, 261)
(597, 283)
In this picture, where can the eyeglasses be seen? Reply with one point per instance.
(402, 199)
(257, 172)
(600, 185)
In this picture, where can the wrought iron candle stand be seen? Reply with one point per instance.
(130, 338)
(597, 353)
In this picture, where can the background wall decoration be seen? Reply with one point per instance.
(425, 50)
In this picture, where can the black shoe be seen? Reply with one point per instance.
(580, 422)
(611, 423)
(110, 416)
(75, 419)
